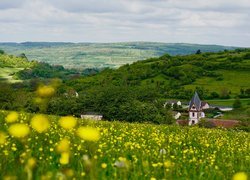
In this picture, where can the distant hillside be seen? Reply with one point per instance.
(101, 55)
(10, 65)
(17, 68)
(216, 75)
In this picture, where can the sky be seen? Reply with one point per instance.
(223, 22)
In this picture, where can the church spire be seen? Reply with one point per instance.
(195, 101)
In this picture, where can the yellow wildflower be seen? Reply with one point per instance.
(240, 176)
(11, 117)
(31, 163)
(88, 133)
(45, 91)
(40, 123)
(63, 145)
(167, 164)
(64, 158)
(2, 137)
(68, 122)
(104, 165)
(19, 130)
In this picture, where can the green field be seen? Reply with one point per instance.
(115, 150)
(228, 102)
(7, 73)
(101, 55)
(232, 80)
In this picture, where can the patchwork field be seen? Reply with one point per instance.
(101, 55)
(49, 147)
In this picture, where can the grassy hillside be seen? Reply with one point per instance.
(17, 68)
(145, 85)
(101, 55)
(40, 146)
(224, 73)
(10, 65)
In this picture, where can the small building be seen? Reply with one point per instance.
(177, 115)
(172, 102)
(195, 109)
(92, 116)
(205, 105)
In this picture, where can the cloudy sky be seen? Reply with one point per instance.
(225, 22)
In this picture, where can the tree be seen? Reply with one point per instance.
(214, 95)
(198, 51)
(22, 55)
(237, 104)
(2, 51)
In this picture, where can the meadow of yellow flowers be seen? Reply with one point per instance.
(36, 146)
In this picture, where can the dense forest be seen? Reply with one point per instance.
(134, 92)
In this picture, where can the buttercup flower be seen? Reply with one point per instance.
(40, 123)
(88, 133)
(63, 145)
(19, 130)
(68, 122)
(11, 117)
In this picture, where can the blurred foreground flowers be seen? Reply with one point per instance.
(19, 130)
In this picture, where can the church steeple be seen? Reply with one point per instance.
(195, 109)
(195, 101)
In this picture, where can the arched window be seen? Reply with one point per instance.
(193, 114)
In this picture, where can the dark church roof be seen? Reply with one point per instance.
(196, 101)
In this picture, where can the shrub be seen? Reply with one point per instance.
(237, 104)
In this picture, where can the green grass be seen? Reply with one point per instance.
(242, 114)
(130, 151)
(228, 102)
(7, 74)
(232, 80)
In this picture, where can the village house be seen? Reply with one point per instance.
(172, 102)
(195, 109)
(92, 116)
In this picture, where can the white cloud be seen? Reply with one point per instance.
(223, 21)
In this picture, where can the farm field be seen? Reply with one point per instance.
(101, 55)
(51, 147)
(239, 81)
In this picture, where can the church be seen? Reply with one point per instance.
(195, 109)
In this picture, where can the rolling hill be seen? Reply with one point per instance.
(136, 92)
(101, 55)
(14, 69)
(222, 72)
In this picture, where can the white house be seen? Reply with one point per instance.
(92, 116)
(205, 105)
(172, 102)
(177, 115)
(195, 109)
